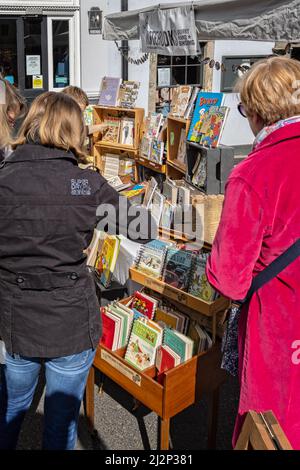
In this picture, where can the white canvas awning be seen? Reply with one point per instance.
(263, 20)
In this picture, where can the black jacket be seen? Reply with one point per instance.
(48, 304)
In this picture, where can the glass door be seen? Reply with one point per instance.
(9, 50)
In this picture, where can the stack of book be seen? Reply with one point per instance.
(182, 269)
(117, 321)
(102, 256)
(115, 92)
(152, 147)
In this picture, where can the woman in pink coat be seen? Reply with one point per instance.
(260, 220)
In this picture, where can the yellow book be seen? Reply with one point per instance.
(107, 259)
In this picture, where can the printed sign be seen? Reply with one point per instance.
(118, 365)
(164, 77)
(169, 32)
(37, 82)
(33, 65)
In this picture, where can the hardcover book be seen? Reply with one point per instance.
(179, 343)
(128, 94)
(144, 304)
(213, 126)
(204, 101)
(180, 101)
(199, 285)
(127, 131)
(109, 91)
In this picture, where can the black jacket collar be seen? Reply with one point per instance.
(37, 152)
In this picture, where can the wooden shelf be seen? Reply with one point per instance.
(194, 303)
(179, 119)
(176, 166)
(117, 146)
(125, 110)
(149, 164)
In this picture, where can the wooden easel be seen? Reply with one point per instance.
(261, 431)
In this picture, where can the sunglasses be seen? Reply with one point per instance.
(242, 110)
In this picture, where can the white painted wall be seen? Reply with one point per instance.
(99, 58)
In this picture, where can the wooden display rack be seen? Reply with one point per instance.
(101, 147)
(174, 127)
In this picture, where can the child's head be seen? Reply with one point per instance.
(78, 95)
(14, 107)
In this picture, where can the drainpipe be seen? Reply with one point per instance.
(124, 45)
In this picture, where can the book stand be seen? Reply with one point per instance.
(261, 431)
(181, 387)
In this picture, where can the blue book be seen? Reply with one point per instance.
(203, 104)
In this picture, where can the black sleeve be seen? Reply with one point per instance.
(116, 216)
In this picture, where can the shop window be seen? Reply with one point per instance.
(33, 50)
(8, 50)
(232, 71)
(61, 53)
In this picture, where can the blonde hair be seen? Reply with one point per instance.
(269, 87)
(54, 120)
(78, 95)
(13, 102)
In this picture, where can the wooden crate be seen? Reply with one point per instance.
(102, 113)
(174, 127)
(99, 151)
(194, 303)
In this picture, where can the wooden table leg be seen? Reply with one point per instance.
(213, 411)
(89, 400)
(164, 434)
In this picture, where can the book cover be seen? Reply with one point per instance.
(157, 151)
(177, 268)
(117, 330)
(200, 171)
(109, 91)
(153, 124)
(106, 261)
(145, 147)
(170, 191)
(151, 187)
(165, 360)
(112, 130)
(203, 103)
(167, 215)
(166, 319)
(199, 285)
(181, 98)
(151, 262)
(181, 154)
(108, 330)
(157, 206)
(89, 116)
(144, 304)
(128, 94)
(127, 131)
(213, 126)
(143, 343)
(180, 344)
(190, 109)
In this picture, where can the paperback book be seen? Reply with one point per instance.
(177, 268)
(213, 126)
(143, 344)
(204, 102)
(109, 91)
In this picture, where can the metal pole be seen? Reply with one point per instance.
(124, 45)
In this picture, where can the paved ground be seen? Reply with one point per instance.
(120, 429)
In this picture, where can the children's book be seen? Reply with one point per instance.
(190, 109)
(144, 304)
(180, 101)
(153, 125)
(213, 126)
(109, 91)
(112, 131)
(127, 131)
(146, 147)
(199, 285)
(203, 103)
(157, 151)
(179, 343)
(107, 259)
(200, 171)
(128, 94)
(143, 344)
(151, 261)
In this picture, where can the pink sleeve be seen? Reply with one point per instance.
(238, 241)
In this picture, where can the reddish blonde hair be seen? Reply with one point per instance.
(269, 87)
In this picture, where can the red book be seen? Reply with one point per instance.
(108, 330)
(144, 304)
(165, 360)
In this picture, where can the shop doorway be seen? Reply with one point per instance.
(24, 54)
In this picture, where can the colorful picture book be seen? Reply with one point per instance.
(180, 101)
(190, 109)
(128, 94)
(144, 304)
(107, 258)
(109, 91)
(204, 102)
(199, 285)
(153, 125)
(117, 322)
(151, 187)
(146, 147)
(157, 151)
(151, 261)
(111, 132)
(145, 339)
(177, 268)
(213, 126)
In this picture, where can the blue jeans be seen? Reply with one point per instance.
(65, 384)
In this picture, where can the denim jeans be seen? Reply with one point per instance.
(65, 384)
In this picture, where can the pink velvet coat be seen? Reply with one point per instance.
(260, 220)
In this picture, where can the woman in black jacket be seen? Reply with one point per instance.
(49, 309)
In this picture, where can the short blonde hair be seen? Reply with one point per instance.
(78, 95)
(54, 120)
(269, 87)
